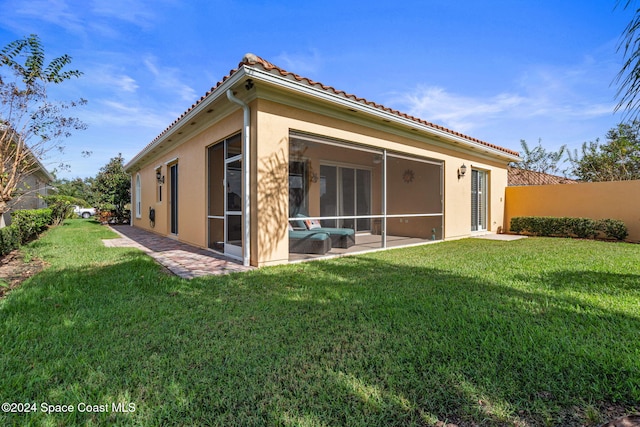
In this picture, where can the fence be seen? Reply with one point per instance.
(596, 200)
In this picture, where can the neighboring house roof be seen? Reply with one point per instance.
(39, 167)
(519, 177)
(42, 171)
(254, 67)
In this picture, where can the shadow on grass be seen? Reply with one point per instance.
(358, 342)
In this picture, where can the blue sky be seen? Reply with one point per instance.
(500, 71)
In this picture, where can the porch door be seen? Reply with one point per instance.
(233, 209)
(173, 198)
(478, 200)
(225, 196)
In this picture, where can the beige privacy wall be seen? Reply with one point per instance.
(596, 200)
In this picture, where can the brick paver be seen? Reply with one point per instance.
(180, 258)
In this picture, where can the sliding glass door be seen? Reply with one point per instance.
(345, 191)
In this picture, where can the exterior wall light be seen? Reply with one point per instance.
(461, 171)
(159, 177)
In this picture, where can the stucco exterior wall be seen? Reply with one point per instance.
(192, 183)
(271, 124)
(275, 121)
(596, 200)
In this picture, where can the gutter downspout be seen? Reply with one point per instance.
(246, 146)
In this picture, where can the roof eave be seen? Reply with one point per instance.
(354, 104)
(203, 104)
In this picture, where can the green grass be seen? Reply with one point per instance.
(471, 331)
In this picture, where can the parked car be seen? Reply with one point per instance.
(84, 212)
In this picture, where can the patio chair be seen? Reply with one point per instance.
(340, 237)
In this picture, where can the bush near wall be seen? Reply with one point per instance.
(25, 225)
(9, 239)
(31, 222)
(62, 207)
(585, 228)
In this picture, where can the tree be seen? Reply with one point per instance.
(31, 125)
(629, 76)
(539, 159)
(616, 160)
(78, 188)
(113, 187)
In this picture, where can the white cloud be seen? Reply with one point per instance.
(139, 13)
(112, 81)
(543, 93)
(113, 113)
(459, 112)
(57, 12)
(167, 78)
(559, 104)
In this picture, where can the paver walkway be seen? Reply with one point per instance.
(181, 259)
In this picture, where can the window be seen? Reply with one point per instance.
(138, 197)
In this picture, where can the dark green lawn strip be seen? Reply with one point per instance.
(489, 332)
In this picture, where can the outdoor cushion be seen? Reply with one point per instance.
(312, 224)
(300, 222)
(340, 237)
(309, 242)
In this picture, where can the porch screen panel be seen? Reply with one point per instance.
(347, 190)
(216, 233)
(363, 199)
(298, 188)
(414, 198)
(216, 180)
(328, 194)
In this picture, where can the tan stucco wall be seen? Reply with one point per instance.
(596, 200)
(275, 122)
(271, 126)
(191, 157)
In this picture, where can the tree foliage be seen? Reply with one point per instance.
(31, 125)
(113, 187)
(78, 188)
(629, 76)
(539, 159)
(618, 159)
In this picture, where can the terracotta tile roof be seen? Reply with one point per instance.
(519, 177)
(252, 60)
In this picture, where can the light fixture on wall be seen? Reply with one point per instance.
(461, 171)
(159, 177)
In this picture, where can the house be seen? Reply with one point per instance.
(518, 177)
(29, 192)
(31, 187)
(268, 166)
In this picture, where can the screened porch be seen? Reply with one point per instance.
(346, 198)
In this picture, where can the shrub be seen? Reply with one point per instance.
(585, 228)
(30, 223)
(62, 207)
(613, 228)
(9, 239)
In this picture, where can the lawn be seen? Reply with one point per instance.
(536, 332)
